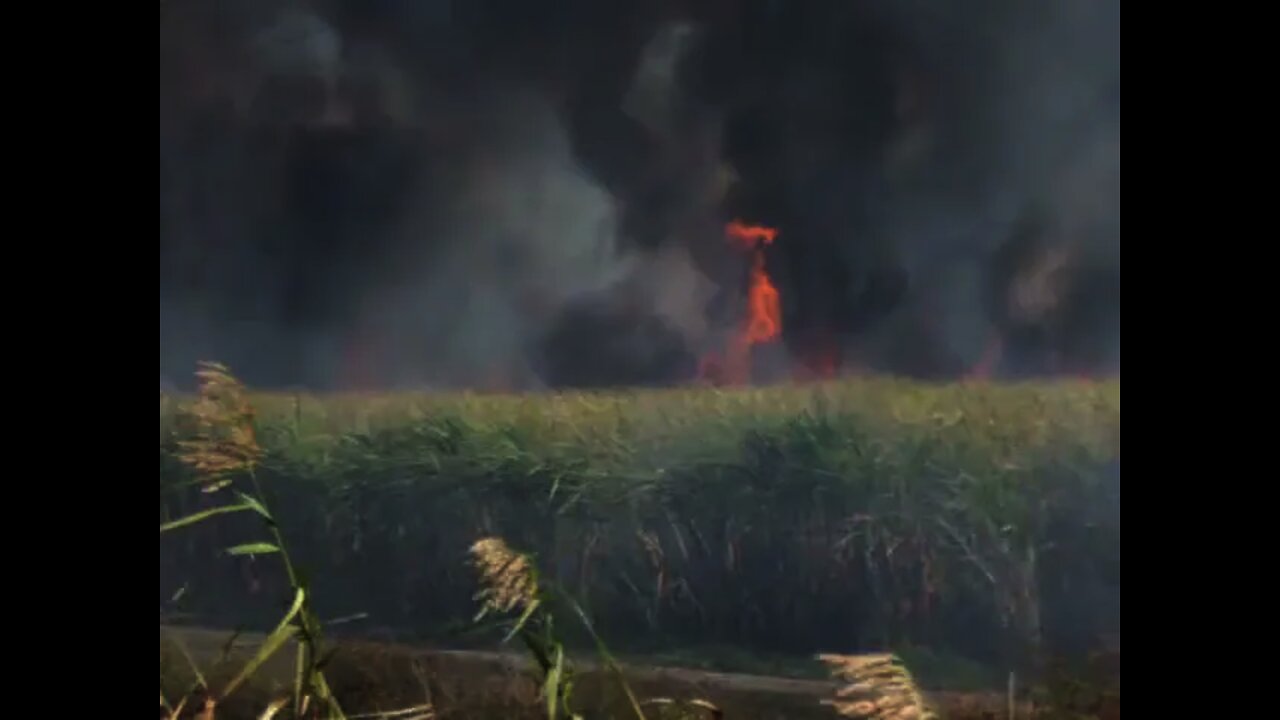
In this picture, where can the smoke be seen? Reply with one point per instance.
(527, 231)
(515, 195)
(308, 245)
(654, 95)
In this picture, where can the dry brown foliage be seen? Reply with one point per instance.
(879, 688)
(222, 442)
(507, 578)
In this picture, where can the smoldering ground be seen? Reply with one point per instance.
(522, 194)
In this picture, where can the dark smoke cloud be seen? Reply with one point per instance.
(521, 194)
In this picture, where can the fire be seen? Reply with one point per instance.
(990, 358)
(748, 235)
(826, 364)
(763, 321)
(764, 306)
(821, 358)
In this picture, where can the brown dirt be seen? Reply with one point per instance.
(371, 677)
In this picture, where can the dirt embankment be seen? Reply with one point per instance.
(372, 677)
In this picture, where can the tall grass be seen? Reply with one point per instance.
(222, 450)
(979, 519)
(510, 582)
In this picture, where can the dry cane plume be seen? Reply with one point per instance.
(879, 688)
(506, 576)
(223, 441)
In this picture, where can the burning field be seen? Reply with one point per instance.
(537, 195)
(777, 327)
(834, 517)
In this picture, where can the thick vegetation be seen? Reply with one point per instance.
(975, 520)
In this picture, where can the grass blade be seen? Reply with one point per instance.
(539, 655)
(325, 659)
(216, 485)
(322, 688)
(186, 655)
(275, 707)
(228, 645)
(282, 634)
(713, 710)
(524, 618)
(255, 505)
(203, 515)
(551, 686)
(258, 548)
(206, 713)
(421, 711)
(346, 619)
(606, 655)
(300, 678)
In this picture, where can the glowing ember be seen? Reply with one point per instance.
(763, 321)
(711, 368)
(821, 359)
(990, 358)
(826, 364)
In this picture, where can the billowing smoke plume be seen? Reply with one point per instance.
(524, 193)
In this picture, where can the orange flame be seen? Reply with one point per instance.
(763, 321)
(748, 235)
(764, 306)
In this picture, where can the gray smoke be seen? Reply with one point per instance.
(528, 231)
(493, 193)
